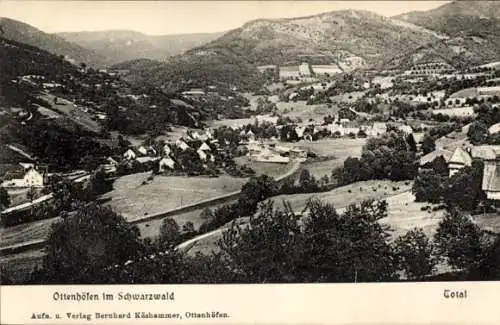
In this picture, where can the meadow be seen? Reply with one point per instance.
(133, 200)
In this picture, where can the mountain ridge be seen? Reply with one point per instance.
(28, 34)
(124, 45)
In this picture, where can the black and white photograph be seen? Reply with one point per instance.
(252, 142)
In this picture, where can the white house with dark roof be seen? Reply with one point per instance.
(23, 177)
(166, 163)
(167, 150)
(130, 154)
(460, 159)
(181, 144)
(204, 147)
(142, 150)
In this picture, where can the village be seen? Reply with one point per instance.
(284, 146)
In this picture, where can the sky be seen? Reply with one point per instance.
(179, 17)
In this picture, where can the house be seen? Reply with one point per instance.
(298, 154)
(254, 149)
(166, 150)
(166, 163)
(485, 152)
(145, 160)
(495, 128)
(406, 129)
(459, 160)
(111, 161)
(204, 147)
(271, 157)
(304, 69)
(143, 151)
(491, 180)
(130, 154)
(377, 129)
(300, 131)
(203, 156)
(431, 156)
(289, 72)
(29, 177)
(194, 92)
(250, 135)
(181, 144)
(326, 69)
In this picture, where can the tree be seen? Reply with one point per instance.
(169, 233)
(307, 182)
(31, 194)
(279, 246)
(412, 145)
(489, 268)
(478, 133)
(459, 240)
(464, 189)
(254, 191)
(268, 249)
(89, 163)
(4, 198)
(86, 242)
(414, 254)
(428, 144)
(429, 187)
(188, 227)
(206, 214)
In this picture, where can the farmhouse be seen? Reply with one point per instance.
(495, 128)
(129, 154)
(326, 69)
(290, 72)
(271, 157)
(406, 129)
(426, 160)
(266, 68)
(204, 147)
(491, 180)
(194, 92)
(25, 176)
(459, 160)
(488, 91)
(166, 163)
(181, 144)
(305, 70)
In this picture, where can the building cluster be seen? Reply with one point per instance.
(303, 70)
(166, 158)
(463, 157)
(23, 175)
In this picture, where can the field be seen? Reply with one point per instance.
(38, 230)
(133, 200)
(76, 115)
(21, 265)
(337, 149)
(306, 112)
(341, 198)
(346, 195)
(457, 111)
(406, 214)
(151, 229)
(468, 92)
(236, 123)
(351, 97)
(261, 168)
